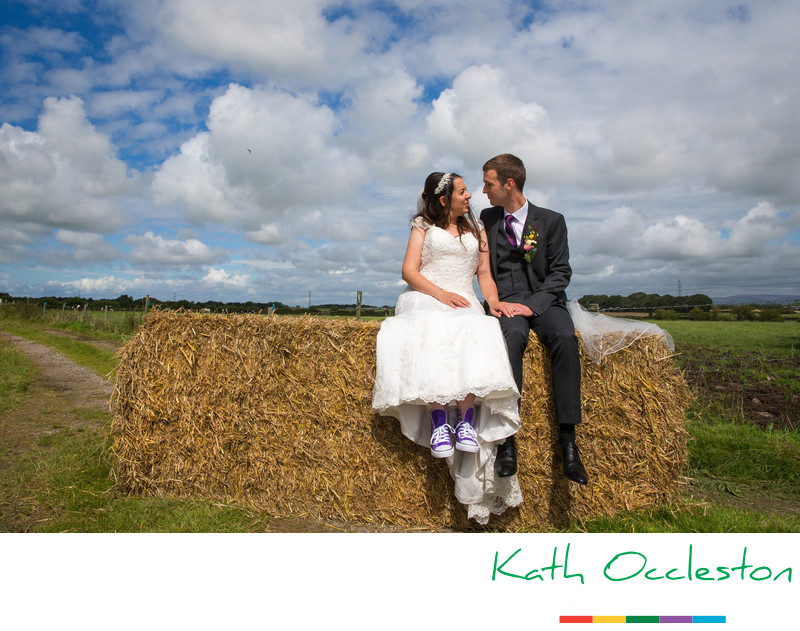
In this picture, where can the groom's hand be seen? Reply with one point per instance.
(502, 309)
(518, 309)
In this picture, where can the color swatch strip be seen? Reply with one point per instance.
(645, 619)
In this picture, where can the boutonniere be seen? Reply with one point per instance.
(529, 245)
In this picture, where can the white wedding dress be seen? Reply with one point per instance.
(430, 352)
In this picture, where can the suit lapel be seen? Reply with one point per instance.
(530, 221)
(530, 224)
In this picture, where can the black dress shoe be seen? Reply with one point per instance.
(505, 464)
(573, 467)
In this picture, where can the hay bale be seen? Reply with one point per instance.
(276, 412)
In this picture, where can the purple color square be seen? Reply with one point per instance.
(663, 619)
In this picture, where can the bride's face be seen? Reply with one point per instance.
(459, 202)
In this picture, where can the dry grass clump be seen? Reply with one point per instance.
(276, 412)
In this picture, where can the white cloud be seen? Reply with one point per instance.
(88, 246)
(154, 250)
(266, 152)
(269, 234)
(482, 115)
(94, 286)
(65, 175)
(221, 277)
(761, 226)
(383, 102)
(284, 39)
(627, 235)
(382, 121)
(193, 181)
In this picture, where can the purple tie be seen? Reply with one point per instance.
(510, 231)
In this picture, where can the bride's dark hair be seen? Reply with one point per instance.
(437, 214)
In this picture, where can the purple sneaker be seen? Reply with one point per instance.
(466, 438)
(441, 442)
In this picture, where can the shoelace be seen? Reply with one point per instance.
(465, 432)
(441, 436)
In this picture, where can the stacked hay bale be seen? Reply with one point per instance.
(276, 412)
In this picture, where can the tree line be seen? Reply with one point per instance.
(128, 303)
(641, 301)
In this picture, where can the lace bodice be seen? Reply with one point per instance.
(448, 261)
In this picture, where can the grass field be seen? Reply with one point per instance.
(745, 473)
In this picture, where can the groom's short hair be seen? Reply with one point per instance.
(507, 166)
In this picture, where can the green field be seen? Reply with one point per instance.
(773, 339)
(744, 470)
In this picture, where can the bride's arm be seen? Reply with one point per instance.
(487, 284)
(411, 274)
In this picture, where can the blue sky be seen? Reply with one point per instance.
(264, 150)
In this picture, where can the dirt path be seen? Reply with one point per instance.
(63, 395)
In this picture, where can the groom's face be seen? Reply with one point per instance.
(494, 189)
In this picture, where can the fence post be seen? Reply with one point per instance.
(44, 308)
(358, 305)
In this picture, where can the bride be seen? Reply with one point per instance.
(441, 353)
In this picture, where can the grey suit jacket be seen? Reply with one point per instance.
(549, 272)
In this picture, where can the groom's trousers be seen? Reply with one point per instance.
(557, 333)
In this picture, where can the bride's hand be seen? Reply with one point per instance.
(452, 299)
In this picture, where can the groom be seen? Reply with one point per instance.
(530, 264)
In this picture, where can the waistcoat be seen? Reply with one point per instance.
(511, 277)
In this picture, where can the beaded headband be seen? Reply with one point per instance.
(442, 183)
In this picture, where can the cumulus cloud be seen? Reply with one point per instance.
(685, 238)
(284, 39)
(221, 277)
(88, 246)
(269, 234)
(154, 250)
(90, 286)
(382, 102)
(483, 115)
(655, 91)
(382, 122)
(266, 152)
(65, 175)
